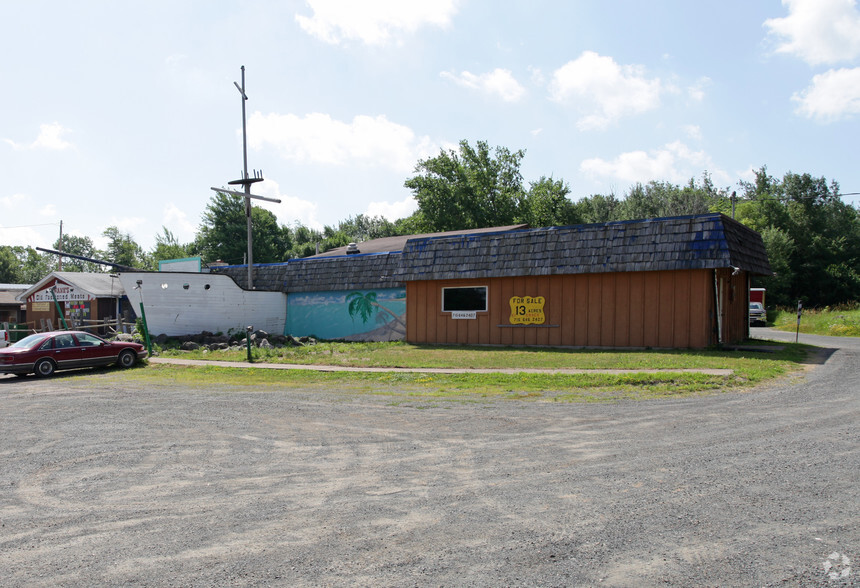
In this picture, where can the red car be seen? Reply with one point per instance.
(44, 353)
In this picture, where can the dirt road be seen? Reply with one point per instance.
(102, 483)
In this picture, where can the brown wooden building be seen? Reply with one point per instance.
(671, 282)
(679, 282)
(83, 298)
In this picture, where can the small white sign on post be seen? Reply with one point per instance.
(464, 314)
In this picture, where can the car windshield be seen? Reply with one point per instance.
(755, 305)
(29, 340)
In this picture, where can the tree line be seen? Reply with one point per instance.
(811, 236)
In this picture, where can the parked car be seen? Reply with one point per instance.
(758, 315)
(4, 338)
(45, 353)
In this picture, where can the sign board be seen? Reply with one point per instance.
(41, 307)
(63, 292)
(186, 264)
(527, 310)
(464, 314)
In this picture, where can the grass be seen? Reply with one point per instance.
(842, 321)
(749, 368)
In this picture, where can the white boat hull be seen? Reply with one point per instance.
(190, 303)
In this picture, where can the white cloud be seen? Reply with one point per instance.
(48, 210)
(674, 162)
(13, 202)
(697, 90)
(693, 131)
(392, 210)
(373, 22)
(499, 82)
(50, 137)
(176, 221)
(604, 89)
(18, 227)
(316, 138)
(125, 224)
(818, 31)
(291, 209)
(832, 95)
(23, 237)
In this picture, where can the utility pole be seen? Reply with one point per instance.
(60, 257)
(246, 182)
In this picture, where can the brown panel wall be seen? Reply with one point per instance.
(636, 309)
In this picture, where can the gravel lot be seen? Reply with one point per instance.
(107, 483)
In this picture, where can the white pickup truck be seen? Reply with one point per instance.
(4, 338)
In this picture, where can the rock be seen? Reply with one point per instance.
(189, 346)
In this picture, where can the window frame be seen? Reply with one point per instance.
(486, 298)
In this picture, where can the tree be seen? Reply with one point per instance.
(167, 246)
(123, 250)
(811, 236)
(598, 208)
(546, 204)
(33, 265)
(223, 232)
(10, 272)
(82, 246)
(468, 189)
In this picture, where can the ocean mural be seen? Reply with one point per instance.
(356, 315)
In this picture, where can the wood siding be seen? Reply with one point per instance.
(665, 309)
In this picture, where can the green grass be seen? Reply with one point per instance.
(407, 355)
(749, 368)
(836, 322)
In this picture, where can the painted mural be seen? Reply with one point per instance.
(360, 315)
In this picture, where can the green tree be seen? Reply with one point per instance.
(10, 269)
(167, 246)
(223, 232)
(33, 265)
(82, 246)
(123, 250)
(546, 204)
(598, 208)
(811, 236)
(470, 188)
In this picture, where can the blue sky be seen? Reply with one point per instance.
(124, 114)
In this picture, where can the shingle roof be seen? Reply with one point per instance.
(348, 272)
(99, 285)
(389, 244)
(708, 241)
(676, 243)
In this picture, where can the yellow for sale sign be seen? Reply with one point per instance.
(527, 310)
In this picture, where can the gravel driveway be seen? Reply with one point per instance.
(107, 483)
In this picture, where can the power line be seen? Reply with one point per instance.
(30, 226)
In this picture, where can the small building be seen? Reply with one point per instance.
(81, 298)
(11, 309)
(677, 282)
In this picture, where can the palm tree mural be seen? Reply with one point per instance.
(365, 306)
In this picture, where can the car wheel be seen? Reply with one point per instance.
(127, 358)
(45, 368)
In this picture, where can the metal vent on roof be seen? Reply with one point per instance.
(352, 249)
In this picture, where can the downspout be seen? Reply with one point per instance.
(718, 309)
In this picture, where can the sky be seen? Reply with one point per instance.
(126, 113)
